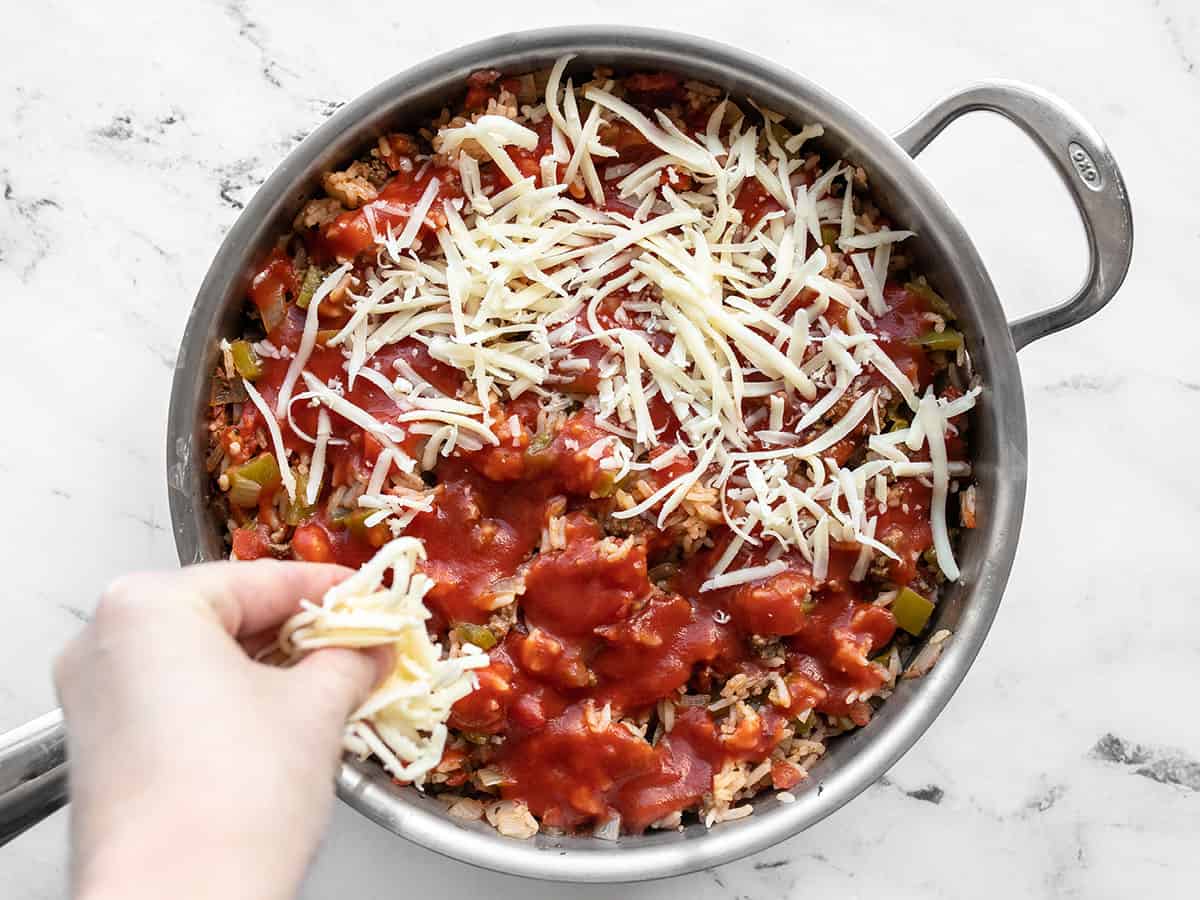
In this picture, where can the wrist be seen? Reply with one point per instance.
(151, 867)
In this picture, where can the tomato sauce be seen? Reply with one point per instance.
(831, 651)
(754, 202)
(902, 323)
(351, 233)
(590, 584)
(654, 652)
(272, 287)
(468, 550)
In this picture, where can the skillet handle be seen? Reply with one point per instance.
(1086, 167)
(33, 774)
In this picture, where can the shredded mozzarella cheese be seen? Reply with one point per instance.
(744, 576)
(403, 721)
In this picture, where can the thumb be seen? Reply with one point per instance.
(331, 683)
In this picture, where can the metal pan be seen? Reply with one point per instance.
(945, 253)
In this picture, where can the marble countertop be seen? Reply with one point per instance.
(1068, 764)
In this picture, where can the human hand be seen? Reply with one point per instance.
(196, 771)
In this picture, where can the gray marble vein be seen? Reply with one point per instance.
(1159, 764)
(251, 32)
(1180, 23)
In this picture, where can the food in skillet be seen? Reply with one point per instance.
(680, 430)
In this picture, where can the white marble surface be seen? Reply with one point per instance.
(130, 135)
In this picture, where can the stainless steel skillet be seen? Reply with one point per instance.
(30, 762)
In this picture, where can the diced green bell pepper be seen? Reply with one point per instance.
(939, 340)
(912, 611)
(245, 360)
(298, 510)
(308, 287)
(605, 486)
(246, 482)
(932, 298)
(539, 442)
(356, 520)
(478, 635)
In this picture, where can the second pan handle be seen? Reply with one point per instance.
(1085, 165)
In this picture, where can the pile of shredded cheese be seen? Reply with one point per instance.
(403, 722)
(499, 295)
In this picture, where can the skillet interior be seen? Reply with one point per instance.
(943, 251)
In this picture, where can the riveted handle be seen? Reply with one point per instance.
(33, 774)
(1085, 165)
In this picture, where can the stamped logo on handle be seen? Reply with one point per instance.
(1085, 167)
